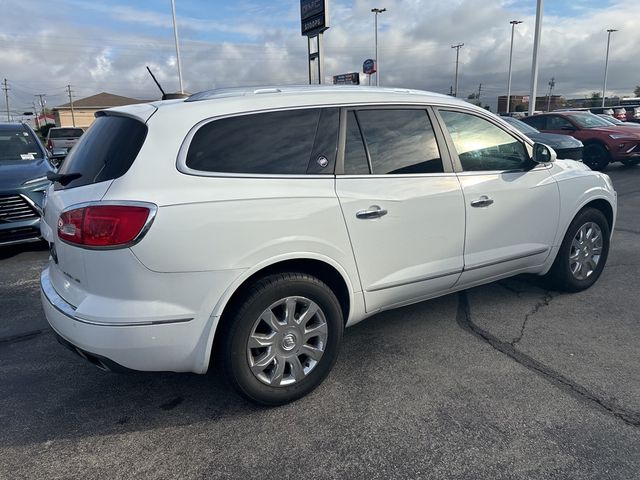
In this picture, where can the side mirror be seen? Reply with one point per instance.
(543, 153)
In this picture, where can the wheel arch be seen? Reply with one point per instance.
(327, 270)
(604, 206)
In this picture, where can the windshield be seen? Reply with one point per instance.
(65, 133)
(17, 143)
(523, 127)
(589, 120)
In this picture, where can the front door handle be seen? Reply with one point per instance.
(374, 211)
(483, 201)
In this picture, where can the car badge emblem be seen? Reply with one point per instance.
(322, 161)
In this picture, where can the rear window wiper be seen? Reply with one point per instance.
(63, 178)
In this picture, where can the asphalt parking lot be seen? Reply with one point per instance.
(508, 380)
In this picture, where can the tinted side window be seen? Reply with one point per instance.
(400, 141)
(263, 143)
(355, 156)
(536, 122)
(558, 123)
(106, 151)
(481, 145)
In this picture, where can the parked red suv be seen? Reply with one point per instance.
(603, 142)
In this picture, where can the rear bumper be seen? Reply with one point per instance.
(165, 346)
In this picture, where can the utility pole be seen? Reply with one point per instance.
(42, 102)
(6, 98)
(451, 90)
(73, 117)
(457, 47)
(552, 83)
(534, 62)
(479, 91)
(35, 112)
(513, 27)
(606, 64)
(377, 11)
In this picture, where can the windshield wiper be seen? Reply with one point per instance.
(63, 178)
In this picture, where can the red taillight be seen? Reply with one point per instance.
(103, 225)
(49, 144)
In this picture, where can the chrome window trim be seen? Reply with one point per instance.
(153, 210)
(181, 160)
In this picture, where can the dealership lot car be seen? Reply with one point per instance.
(565, 146)
(23, 182)
(245, 228)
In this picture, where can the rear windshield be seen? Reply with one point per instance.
(65, 133)
(17, 143)
(105, 151)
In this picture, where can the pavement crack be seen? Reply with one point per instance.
(23, 336)
(546, 300)
(464, 320)
(511, 288)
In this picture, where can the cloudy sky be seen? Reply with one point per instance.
(105, 45)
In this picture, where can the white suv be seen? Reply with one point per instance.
(256, 224)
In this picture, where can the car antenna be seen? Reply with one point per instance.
(164, 95)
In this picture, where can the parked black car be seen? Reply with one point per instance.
(24, 165)
(565, 146)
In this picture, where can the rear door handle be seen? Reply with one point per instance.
(374, 211)
(483, 201)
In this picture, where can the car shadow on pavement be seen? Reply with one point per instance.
(13, 250)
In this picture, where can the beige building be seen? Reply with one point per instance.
(85, 108)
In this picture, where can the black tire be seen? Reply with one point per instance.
(596, 156)
(238, 328)
(631, 162)
(560, 276)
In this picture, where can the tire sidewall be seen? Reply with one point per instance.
(269, 291)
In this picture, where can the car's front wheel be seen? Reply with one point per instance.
(283, 339)
(630, 162)
(583, 252)
(596, 156)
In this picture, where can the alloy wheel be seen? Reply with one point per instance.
(585, 251)
(287, 341)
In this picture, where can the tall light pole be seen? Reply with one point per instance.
(606, 63)
(457, 47)
(534, 62)
(513, 27)
(377, 11)
(175, 34)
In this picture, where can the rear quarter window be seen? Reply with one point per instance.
(267, 143)
(105, 151)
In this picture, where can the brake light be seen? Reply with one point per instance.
(104, 226)
(49, 144)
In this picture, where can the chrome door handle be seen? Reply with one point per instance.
(374, 211)
(483, 201)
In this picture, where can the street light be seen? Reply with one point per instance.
(606, 63)
(377, 11)
(457, 47)
(534, 60)
(175, 35)
(513, 26)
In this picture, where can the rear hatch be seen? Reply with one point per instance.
(105, 152)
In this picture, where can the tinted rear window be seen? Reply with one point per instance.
(267, 143)
(17, 143)
(105, 151)
(65, 133)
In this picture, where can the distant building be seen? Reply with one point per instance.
(85, 108)
(520, 103)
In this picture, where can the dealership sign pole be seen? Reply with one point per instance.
(314, 18)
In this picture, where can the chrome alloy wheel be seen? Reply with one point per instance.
(586, 250)
(287, 341)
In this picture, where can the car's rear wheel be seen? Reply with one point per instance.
(284, 339)
(596, 156)
(583, 253)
